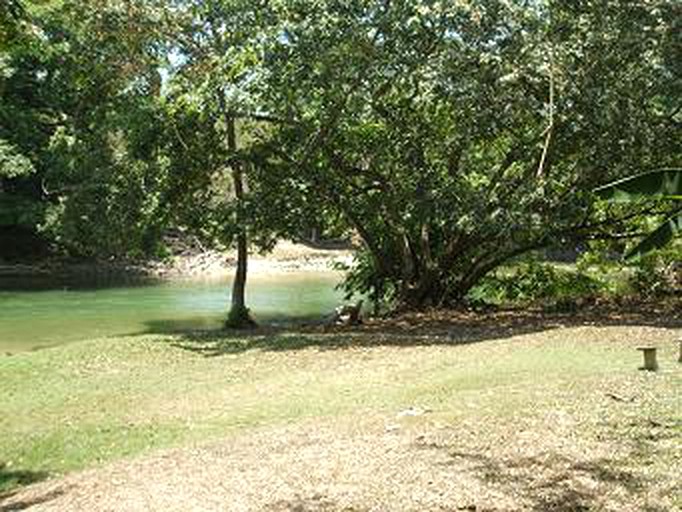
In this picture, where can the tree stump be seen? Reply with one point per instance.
(650, 362)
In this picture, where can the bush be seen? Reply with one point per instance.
(533, 282)
(658, 274)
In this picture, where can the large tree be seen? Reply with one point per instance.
(454, 136)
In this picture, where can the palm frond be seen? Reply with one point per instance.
(662, 183)
(659, 238)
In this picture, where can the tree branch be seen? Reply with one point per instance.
(550, 127)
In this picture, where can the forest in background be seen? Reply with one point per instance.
(450, 138)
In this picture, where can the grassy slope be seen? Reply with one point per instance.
(82, 404)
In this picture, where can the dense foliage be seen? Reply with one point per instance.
(449, 137)
(455, 136)
(79, 165)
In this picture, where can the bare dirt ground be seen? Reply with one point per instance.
(360, 467)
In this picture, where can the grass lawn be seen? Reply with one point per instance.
(568, 398)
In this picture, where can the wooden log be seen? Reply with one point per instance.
(650, 362)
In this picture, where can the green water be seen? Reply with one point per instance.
(36, 314)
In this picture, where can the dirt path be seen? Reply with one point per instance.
(359, 465)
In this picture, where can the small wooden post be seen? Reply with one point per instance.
(679, 359)
(650, 363)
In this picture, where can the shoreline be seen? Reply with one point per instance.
(286, 257)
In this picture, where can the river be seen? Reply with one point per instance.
(38, 313)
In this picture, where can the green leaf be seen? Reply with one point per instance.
(12, 162)
(663, 183)
(659, 238)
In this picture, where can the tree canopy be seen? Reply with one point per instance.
(448, 137)
(455, 136)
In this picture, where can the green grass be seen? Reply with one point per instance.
(86, 403)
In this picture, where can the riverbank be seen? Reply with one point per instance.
(285, 257)
(536, 417)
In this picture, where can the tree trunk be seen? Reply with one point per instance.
(425, 292)
(239, 316)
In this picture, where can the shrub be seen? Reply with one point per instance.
(534, 281)
(658, 274)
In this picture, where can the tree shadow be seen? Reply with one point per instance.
(20, 478)
(315, 503)
(273, 339)
(219, 343)
(30, 502)
(520, 320)
(206, 325)
(552, 481)
(10, 479)
(408, 330)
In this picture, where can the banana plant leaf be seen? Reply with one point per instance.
(663, 183)
(659, 238)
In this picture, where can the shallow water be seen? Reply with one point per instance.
(37, 313)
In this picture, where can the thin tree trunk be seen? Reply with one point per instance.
(239, 285)
(239, 316)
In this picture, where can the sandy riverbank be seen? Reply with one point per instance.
(285, 257)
